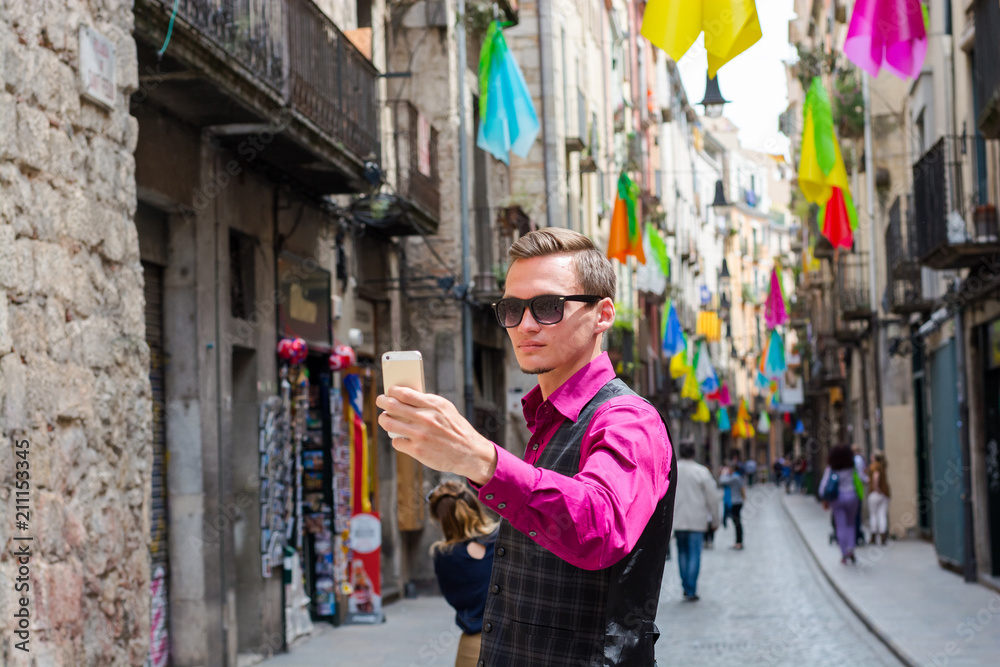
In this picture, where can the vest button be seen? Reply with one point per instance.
(501, 506)
(488, 627)
(501, 551)
(495, 589)
(532, 533)
(489, 496)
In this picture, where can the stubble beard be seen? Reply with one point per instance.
(535, 371)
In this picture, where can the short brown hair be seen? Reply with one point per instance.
(593, 269)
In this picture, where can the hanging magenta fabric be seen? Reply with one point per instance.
(890, 34)
(724, 399)
(774, 309)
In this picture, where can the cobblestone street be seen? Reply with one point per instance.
(765, 605)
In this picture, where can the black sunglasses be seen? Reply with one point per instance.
(545, 308)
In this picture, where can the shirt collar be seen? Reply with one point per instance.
(571, 396)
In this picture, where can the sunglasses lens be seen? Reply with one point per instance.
(547, 309)
(509, 312)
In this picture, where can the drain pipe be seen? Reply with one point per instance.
(969, 565)
(549, 155)
(463, 189)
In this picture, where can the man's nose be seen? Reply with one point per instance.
(528, 322)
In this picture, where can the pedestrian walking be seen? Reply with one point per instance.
(878, 499)
(463, 561)
(749, 470)
(580, 554)
(697, 495)
(732, 480)
(839, 490)
(800, 467)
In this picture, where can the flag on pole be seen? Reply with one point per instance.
(890, 34)
(507, 119)
(626, 235)
(731, 27)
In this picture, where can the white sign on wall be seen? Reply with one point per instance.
(97, 67)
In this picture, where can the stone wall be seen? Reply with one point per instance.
(73, 359)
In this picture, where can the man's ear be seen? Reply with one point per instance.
(606, 315)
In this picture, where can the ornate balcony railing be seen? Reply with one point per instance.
(902, 269)
(853, 296)
(292, 49)
(955, 226)
(986, 70)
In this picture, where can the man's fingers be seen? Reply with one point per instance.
(411, 396)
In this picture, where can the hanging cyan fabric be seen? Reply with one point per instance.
(731, 27)
(775, 363)
(626, 236)
(507, 119)
(358, 433)
(890, 34)
(722, 420)
(822, 174)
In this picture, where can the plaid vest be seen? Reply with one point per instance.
(543, 612)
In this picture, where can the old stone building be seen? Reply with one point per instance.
(73, 357)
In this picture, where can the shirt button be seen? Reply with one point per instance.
(489, 496)
(501, 506)
(495, 589)
(501, 551)
(481, 663)
(535, 446)
(532, 533)
(488, 627)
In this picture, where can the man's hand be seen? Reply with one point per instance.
(435, 434)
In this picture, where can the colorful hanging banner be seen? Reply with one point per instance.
(722, 420)
(774, 309)
(821, 165)
(626, 236)
(775, 363)
(507, 119)
(358, 433)
(701, 414)
(731, 27)
(890, 34)
(708, 381)
(659, 249)
(673, 336)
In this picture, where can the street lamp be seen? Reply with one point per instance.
(714, 100)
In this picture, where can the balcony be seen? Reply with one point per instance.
(853, 297)
(986, 73)
(417, 177)
(830, 368)
(902, 269)
(276, 73)
(952, 229)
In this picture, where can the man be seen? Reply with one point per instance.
(750, 469)
(697, 498)
(579, 559)
(731, 479)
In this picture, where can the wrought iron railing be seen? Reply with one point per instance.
(986, 70)
(853, 296)
(292, 47)
(936, 178)
(902, 268)
(330, 81)
(417, 177)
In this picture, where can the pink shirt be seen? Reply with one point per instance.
(624, 465)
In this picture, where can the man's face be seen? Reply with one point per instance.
(561, 348)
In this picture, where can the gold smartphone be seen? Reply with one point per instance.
(402, 369)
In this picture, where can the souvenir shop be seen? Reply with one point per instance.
(319, 529)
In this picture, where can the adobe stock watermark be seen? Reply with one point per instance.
(967, 630)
